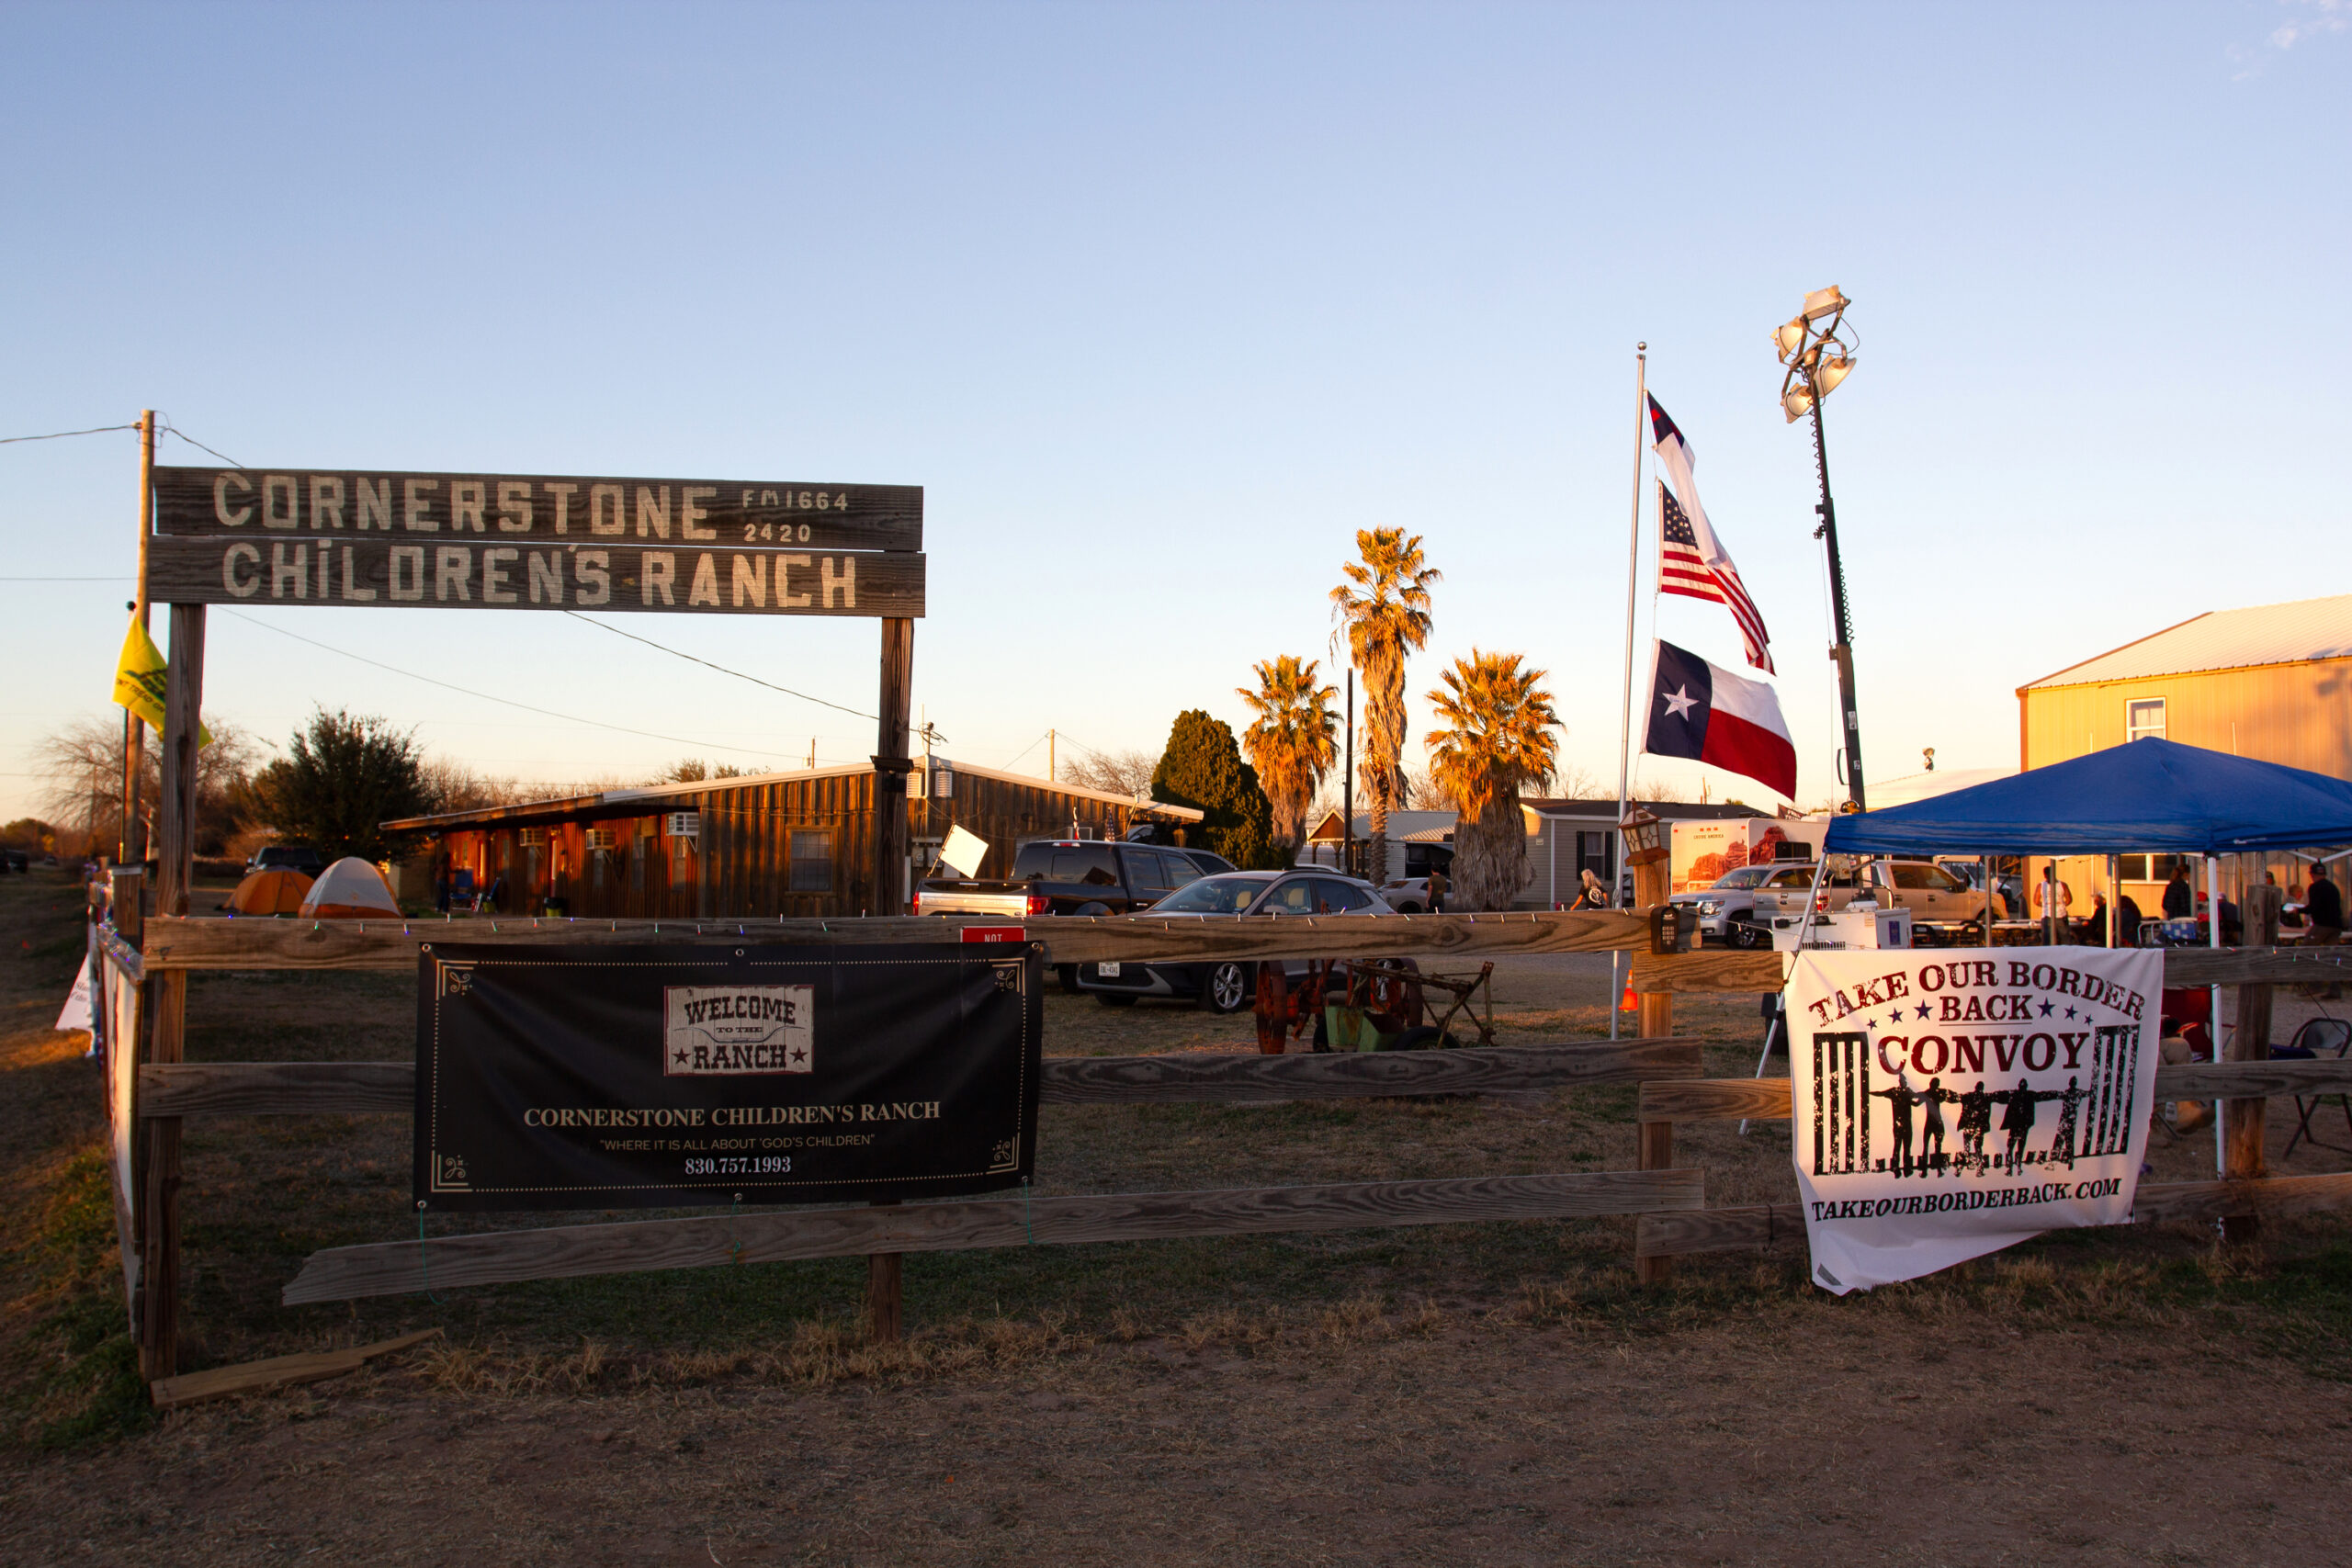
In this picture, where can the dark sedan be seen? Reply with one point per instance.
(1229, 985)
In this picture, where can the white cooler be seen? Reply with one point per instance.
(1849, 928)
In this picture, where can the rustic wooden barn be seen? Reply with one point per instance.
(797, 844)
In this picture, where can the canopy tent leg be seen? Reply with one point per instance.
(2213, 1008)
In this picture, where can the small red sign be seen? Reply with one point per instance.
(995, 933)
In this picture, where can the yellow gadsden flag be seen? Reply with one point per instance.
(138, 681)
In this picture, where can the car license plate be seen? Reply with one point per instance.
(1108, 971)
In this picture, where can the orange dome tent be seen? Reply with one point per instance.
(350, 889)
(279, 892)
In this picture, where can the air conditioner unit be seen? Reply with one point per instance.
(601, 840)
(683, 824)
(531, 838)
(935, 781)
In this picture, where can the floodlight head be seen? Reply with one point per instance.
(1828, 373)
(1788, 337)
(1822, 303)
(1797, 402)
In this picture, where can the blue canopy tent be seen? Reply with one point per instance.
(2151, 796)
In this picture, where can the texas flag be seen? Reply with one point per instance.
(1709, 715)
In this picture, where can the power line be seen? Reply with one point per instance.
(485, 696)
(61, 435)
(171, 429)
(721, 668)
(1024, 751)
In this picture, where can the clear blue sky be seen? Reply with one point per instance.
(1161, 304)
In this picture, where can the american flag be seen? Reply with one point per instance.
(1681, 568)
(1698, 569)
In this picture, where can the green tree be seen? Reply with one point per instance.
(1293, 739)
(1383, 611)
(346, 775)
(1498, 737)
(1202, 768)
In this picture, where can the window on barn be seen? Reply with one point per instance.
(813, 859)
(636, 861)
(2143, 717)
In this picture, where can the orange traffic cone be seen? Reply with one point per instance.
(1626, 1003)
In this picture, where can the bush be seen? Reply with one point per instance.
(1202, 768)
(346, 775)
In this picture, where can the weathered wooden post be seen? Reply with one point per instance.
(2244, 1121)
(159, 1325)
(131, 844)
(1646, 857)
(884, 1294)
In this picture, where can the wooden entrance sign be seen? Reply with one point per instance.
(343, 537)
(541, 509)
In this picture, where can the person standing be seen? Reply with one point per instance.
(2180, 899)
(2323, 908)
(1590, 893)
(2050, 898)
(1437, 890)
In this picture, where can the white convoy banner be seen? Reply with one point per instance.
(1948, 1106)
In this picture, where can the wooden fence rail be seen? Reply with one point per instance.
(212, 943)
(209, 943)
(1761, 1224)
(487, 1257)
(1766, 1099)
(350, 1088)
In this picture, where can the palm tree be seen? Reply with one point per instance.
(1384, 608)
(1498, 737)
(1293, 739)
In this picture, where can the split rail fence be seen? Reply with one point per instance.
(151, 1091)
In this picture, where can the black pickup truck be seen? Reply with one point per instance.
(1071, 877)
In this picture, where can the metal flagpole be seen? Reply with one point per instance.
(1625, 714)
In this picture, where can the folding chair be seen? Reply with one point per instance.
(2314, 1038)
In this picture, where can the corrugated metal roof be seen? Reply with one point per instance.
(1666, 810)
(654, 795)
(2292, 633)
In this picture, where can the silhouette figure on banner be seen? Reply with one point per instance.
(2070, 1100)
(1935, 1097)
(2017, 1120)
(1975, 1121)
(1900, 1099)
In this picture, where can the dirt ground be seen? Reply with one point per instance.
(1962, 1442)
(1480, 1395)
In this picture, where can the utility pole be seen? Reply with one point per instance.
(1818, 359)
(1348, 786)
(1053, 775)
(131, 844)
(1842, 650)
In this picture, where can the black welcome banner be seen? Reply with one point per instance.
(603, 1077)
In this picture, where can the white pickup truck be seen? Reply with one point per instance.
(1941, 903)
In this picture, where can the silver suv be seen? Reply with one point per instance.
(1228, 985)
(1728, 909)
(1940, 901)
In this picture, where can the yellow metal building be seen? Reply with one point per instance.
(2272, 681)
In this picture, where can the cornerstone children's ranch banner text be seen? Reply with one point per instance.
(1946, 1107)
(599, 1077)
